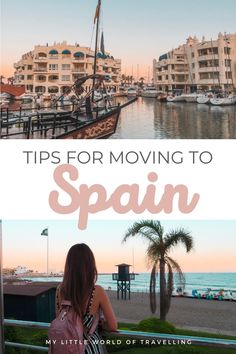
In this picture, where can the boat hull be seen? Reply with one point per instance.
(149, 94)
(96, 129)
(223, 101)
(191, 98)
(203, 100)
(175, 99)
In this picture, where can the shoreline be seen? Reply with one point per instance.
(186, 313)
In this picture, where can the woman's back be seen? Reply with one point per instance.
(82, 303)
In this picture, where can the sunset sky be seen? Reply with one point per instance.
(135, 30)
(214, 249)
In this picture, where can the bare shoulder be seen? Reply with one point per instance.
(100, 291)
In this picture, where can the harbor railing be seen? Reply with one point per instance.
(143, 337)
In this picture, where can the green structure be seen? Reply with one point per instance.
(30, 302)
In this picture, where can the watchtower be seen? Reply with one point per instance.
(123, 278)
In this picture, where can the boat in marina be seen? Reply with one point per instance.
(223, 101)
(4, 98)
(192, 97)
(149, 91)
(86, 121)
(27, 98)
(175, 98)
(203, 99)
(161, 96)
(132, 92)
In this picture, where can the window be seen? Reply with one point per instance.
(29, 77)
(53, 67)
(30, 67)
(65, 78)
(65, 66)
(166, 77)
(192, 55)
(228, 74)
(228, 62)
(210, 75)
(227, 50)
(41, 78)
(193, 65)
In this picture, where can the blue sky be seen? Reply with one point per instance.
(135, 30)
(214, 249)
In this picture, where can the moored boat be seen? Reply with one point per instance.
(175, 98)
(27, 98)
(150, 92)
(192, 97)
(223, 101)
(132, 92)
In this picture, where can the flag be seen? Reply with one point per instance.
(44, 232)
(96, 14)
(102, 47)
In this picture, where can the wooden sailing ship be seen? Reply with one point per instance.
(91, 117)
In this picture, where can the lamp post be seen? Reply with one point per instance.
(2, 346)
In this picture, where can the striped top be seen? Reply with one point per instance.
(94, 345)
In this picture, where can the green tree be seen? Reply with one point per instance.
(158, 250)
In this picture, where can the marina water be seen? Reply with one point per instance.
(150, 119)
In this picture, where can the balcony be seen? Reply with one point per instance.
(53, 78)
(78, 70)
(53, 56)
(40, 79)
(40, 70)
(208, 69)
(40, 59)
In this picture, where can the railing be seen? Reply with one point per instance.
(160, 338)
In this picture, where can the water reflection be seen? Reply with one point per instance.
(150, 119)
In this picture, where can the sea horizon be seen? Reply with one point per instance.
(194, 281)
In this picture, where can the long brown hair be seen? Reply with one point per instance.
(80, 275)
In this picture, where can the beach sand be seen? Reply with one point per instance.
(203, 315)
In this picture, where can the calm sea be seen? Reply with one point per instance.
(199, 281)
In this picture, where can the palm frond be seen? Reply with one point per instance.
(177, 236)
(148, 229)
(176, 268)
(153, 252)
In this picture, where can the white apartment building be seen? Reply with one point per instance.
(198, 64)
(52, 69)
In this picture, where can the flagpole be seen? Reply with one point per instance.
(48, 254)
(2, 346)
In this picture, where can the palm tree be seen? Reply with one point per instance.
(1, 79)
(160, 245)
(141, 80)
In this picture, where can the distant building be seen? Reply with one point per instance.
(198, 64)
(20, 270)
(30, 302)
(52, 69)
(8, 271)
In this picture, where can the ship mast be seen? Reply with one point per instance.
(97, 17)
